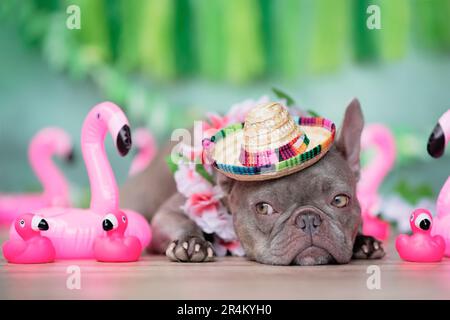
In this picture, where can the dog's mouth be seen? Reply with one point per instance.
(313, 256)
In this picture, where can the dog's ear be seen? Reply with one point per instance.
(348, 141)
(225, 183)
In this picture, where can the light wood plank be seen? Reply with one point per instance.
(154, 277)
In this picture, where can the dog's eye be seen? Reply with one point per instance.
(264, 208)
(340, 201)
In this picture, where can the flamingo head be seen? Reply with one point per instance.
(54, 141)
(421, 221)
(115, 223)
(64, 147)
(30, 225)
(143, 139)
(439, 137)
(104, 117)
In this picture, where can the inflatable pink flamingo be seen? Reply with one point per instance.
(44, 145)
(31, 247)
(73, 231)
(116, 247)
(146, 150)
(436, 147)
(379, 137)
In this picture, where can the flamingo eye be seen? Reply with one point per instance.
(124, 219)
(98, 116)
(423, 222)
(111, 219)
(22, 223)
(412, 217)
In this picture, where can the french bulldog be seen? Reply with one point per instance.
(311, 217)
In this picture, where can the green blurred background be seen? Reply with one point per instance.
(166, 62)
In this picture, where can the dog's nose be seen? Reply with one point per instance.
(308, 222)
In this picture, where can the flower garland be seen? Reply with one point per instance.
(203, 198)
(194, 180)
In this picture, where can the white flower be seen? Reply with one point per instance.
(189, 181)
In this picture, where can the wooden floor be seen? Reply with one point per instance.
(231, 278)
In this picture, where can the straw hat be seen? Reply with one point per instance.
(270, 144)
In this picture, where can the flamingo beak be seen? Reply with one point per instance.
(70, 158)
(43, 225)
(436, 142)
(124, 141)
(39, 224)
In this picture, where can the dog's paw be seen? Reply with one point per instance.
(367, 247)
(191, 249)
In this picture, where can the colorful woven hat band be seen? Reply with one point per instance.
(293, 148)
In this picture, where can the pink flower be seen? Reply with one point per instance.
(209, 213)
(221, 247)
(216, 121)
(200, 203)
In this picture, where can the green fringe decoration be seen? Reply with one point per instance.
(128, 56)
(243, 42)
(364, 40)
(209, 37)
(431, 22)
(93, 37)
(156, 39)
(185, 61)
(330, 35)
(395, 26)
(287, 39)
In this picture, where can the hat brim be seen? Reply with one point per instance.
(228, 143)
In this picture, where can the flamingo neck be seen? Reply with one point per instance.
(443, 201)
(374, 173)
(444, 121)
(141, 161)
(29, 235)
(104, 190)
(53, 181)
(115, 234)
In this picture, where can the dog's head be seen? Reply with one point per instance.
(307, 218)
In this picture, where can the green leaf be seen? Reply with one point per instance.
(413, 194)
(173, 167)
(282, 95)
(202, 171)
(313, 113)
